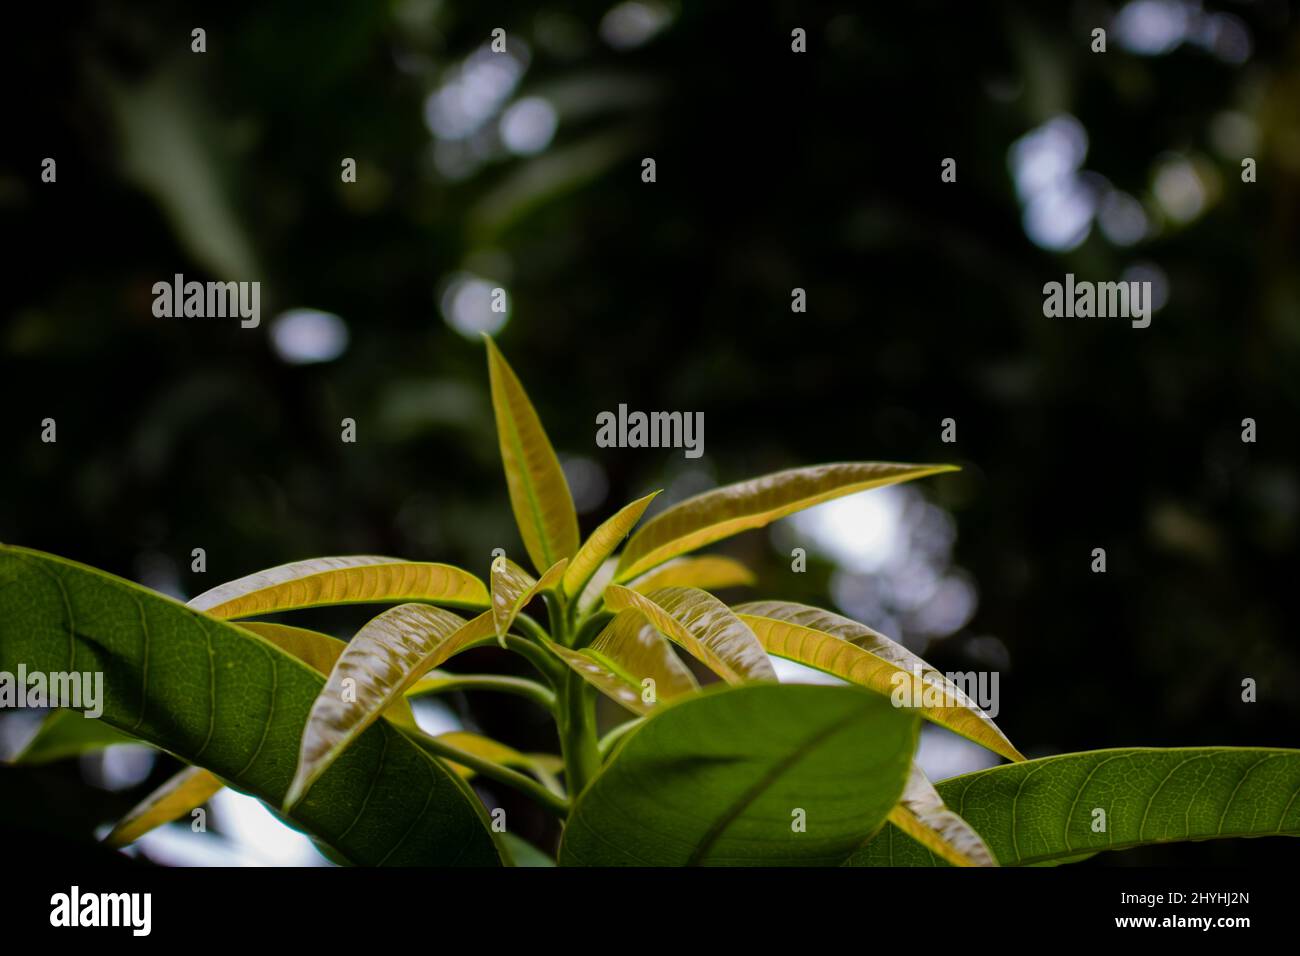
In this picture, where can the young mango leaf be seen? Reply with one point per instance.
(355, 579)
(623, 657)
(69, 733)
(704, 626)
(190, 788)
(854, 652)
(636, 648)
(522, 853)
(594, 593)
(708, 573)
(389, 654)
(318, 651)
(601, 544)
(542, 766)
(484, 747)
(539, 493)
(547, 763)
(765, 774)
(722, 512)
(222, 698)
(922, 815)
(1056, 809)
(321, 652)
(513, 588)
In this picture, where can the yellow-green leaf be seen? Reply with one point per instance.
(169, 802)
(703, 625)
(601, 544)
(547, 763)
(221, 697)
(190, 788)
(539, 493)
(856, 653)
(722, 512)
(513, 588)
(484, 747)
(354, 579)
(594, 592)
(922, 815)
(386, 656)
(707, 572)
(626, 654)
(321, 652)
(474, 748)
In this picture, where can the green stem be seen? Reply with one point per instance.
(555, 613)
(511, 778)
(519, 686)
(546, 665)
(530, 627)
(577, 726)
(616, 734)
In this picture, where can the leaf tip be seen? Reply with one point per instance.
(297, 790)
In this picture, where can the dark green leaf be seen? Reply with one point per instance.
(224, 699)
(725, 777)
(1045, 811)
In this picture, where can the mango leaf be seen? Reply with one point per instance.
(321, 652)
(765, 774)
(594, 593)
(356, 579)
(709, 573)
(637, 649)
(222, 698)
(190, 788)
(623, 656)
(389, 654)
(69, 733)
(722, 512)
(318, 651)
(484, 747)
(1050, 810)
(852, 651)
(522, 853)
(704, 626)
(513, 588)
(922, 815)
(601, 544)
(539, 493)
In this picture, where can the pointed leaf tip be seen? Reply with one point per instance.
(539, 492)
(746, 505)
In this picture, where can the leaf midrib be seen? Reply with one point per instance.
(765, 782)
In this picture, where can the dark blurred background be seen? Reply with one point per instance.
(775, 170)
